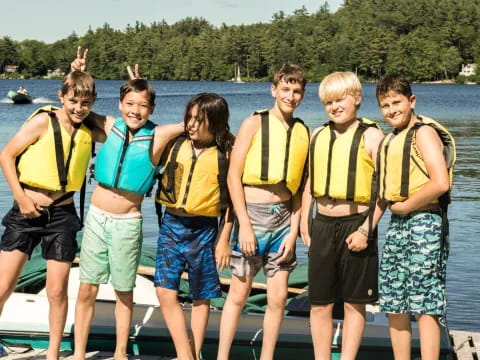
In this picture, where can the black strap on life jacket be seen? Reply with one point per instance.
(265, 146)
(407, 147)
(173, 164)
(222, 181)
(62, 167)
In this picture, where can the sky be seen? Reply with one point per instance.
(52, 20)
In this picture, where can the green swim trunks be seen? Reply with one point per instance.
(111, 246)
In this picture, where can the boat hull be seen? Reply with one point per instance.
(19, 98)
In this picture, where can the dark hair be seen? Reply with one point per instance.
(393, 83)
(81, 83)
(215, 108)
(138, 85)
(290, 73)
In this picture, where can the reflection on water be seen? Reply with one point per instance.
(457, 107)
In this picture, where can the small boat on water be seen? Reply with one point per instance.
(19, 98)
(24, 320)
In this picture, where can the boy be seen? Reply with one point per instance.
(415, 176)
(43, 179)
(194, 191)
(342, 262)
(112, 239)
(264, 176)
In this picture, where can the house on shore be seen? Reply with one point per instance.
(468, 70)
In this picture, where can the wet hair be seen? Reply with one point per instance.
(290, 73)
(339, 84)
(393, 83)
(213, 107)
(81, 83)
(138, 85)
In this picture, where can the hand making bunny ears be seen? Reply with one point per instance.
(80, 63)
(133, 75)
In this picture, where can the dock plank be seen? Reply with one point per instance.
(466, 344)
(39, 354)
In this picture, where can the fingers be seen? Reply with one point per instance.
(133, 74)
(81, 56)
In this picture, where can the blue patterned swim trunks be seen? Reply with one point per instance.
(187, 243)
(413, 266)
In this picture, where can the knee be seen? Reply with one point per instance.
(321, 310)
(354, 309)
(238, 297)
(87, 293)
(166, 296)
(6, 290)
(57, 293)
(277, 301)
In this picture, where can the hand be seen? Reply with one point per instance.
(133, 75)
(357, 241)
(80, 63)
(28, 207)
(222, 255)
(304, 233)
(287, 249)
(248, 241)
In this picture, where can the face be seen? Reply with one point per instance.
(343, 111)
(198, 128)
(287, 96)
(76, 107)
(397, 109)
(135, 109)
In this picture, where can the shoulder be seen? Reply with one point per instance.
(252, 121)
(316, 130)
(427, 135)
(38, 123)
(373, 135)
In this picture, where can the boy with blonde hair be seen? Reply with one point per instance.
(342, 258)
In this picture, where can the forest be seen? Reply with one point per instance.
(424, 40)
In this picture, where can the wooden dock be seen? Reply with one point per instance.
(466, 344)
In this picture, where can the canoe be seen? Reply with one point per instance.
(18, 98)
(24, 320)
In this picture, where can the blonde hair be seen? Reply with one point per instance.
(339, 84)
(81, 83)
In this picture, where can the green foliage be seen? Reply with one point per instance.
(423, 40)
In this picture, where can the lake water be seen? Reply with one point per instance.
(455, 106)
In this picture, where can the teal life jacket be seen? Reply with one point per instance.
(124, 164)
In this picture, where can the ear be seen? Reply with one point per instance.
(273, 90)
(358, 100)
(120, 105)
(413, 101)
(152, 109)
(60, 96)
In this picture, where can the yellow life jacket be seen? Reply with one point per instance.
(197, 184)
(340, 166)
(277, 154)
(402, 171)
(58, 160)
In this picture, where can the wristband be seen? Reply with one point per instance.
(363, 231)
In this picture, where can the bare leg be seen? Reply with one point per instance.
(321, 325)
(353, 326)
(237, 296)
(11, 265)
(123, 320)
(401, 335)
(173, 314)
(272, 321)
(57, 288)
(198, 323)
(84, 310)
(429, 336)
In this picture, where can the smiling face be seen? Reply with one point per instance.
(343, 111)
(135, 108)
(288, 95)
(198, 127)
(76, 107)
(397, 109)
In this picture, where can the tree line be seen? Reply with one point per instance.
(424, 40)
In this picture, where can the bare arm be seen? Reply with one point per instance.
(305, 217)
(163, 135)
(222, 247)
(241, 146)
(358, 240)
(431, 149)
(28, 134)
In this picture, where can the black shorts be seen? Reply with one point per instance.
(56, 229)
(334, 272)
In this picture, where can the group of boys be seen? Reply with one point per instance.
(277, 170)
